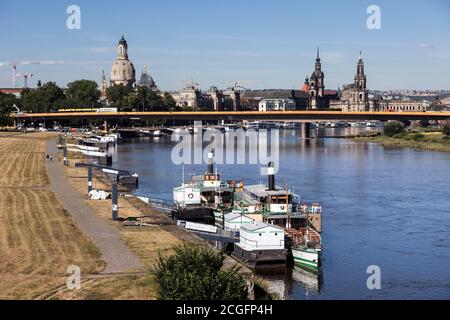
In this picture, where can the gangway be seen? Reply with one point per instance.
(160, 204)
(115, 173)
(209, 232)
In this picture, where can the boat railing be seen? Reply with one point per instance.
(297, 209)
(255, 243)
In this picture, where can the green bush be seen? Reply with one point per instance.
(446, 128)
(400, 135)
(393, 128)
(194, 273)
(416, 137)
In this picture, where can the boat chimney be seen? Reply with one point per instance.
(210, 169)
(271, 175)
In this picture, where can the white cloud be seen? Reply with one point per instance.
(424, 45)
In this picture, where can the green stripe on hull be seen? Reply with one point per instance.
(306, 264)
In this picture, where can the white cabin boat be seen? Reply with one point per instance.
(89, 145)
(187, 195)
(260, 244)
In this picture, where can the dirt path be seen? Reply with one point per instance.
(116, 254)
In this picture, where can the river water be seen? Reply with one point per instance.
(384, 207)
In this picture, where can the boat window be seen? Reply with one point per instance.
(260, 234)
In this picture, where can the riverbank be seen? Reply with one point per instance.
(146, 242)
(432, 141)
(38, 238)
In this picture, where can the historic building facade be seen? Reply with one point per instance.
(189, 96)
(122, 70)
(213, 99)
(276, 105)
(405, 105)
(355, 96)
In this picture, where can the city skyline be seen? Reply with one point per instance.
(180, 41)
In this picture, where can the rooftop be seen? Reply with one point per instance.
(256, 225)
(260, 190)
(234, 215)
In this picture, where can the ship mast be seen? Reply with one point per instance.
(184, 189)
(288, 217)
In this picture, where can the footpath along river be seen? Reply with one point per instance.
(383, 207)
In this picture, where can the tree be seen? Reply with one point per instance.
(83, 93)
(149, 100)
(169, 102)
(6, 107)
(194, 273)
(51, 96)
(116, 95)
(446, 128)
(141, 96)
(155, 102)
(44, 99)
(393, 128)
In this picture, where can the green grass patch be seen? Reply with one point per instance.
(433, 141)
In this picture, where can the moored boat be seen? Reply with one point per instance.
(260, 245)
(306, 248)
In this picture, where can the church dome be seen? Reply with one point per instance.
(122, 70)
(146, 80)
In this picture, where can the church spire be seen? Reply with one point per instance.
(122, 50)
(318, 64)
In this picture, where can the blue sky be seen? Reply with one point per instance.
(260, 44)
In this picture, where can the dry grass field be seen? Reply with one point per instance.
(38, 239)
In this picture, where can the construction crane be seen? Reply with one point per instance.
(25, 78)
(14, 65)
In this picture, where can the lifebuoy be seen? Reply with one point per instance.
(190, 195)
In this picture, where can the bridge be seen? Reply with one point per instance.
(236, 116)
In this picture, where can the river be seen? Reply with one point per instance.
(384, 207)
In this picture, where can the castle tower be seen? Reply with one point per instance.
(103, 84)
(317, 85)
(361, 98)
(360, 77)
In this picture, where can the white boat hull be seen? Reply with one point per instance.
(307, 258)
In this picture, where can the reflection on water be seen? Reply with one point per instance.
(284, 282)
(385, 207)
